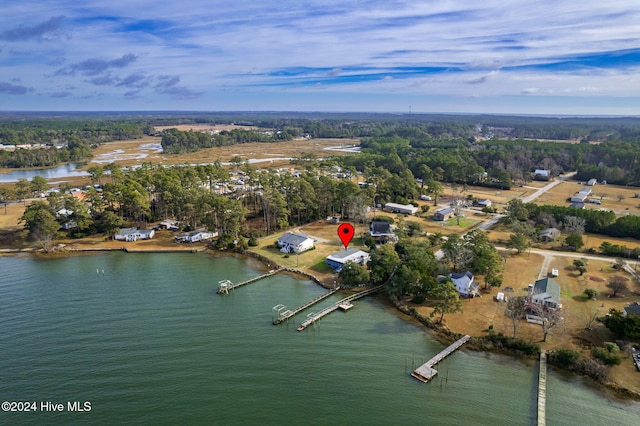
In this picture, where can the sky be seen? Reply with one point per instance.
(438, 56)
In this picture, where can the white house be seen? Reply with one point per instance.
(400, 208)
(464, 284)
(337, 260)
(542, 174)
(546, 292)
(195, 236)
(134, 234)
(294, 243)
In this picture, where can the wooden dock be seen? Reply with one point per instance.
(285, 315)
(226, 285)
(426, 372)
(542, 389)
(326, 311)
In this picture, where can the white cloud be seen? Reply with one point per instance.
(489, 48)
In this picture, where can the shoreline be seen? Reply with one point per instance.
(439, 332)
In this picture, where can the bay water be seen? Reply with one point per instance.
(144, 338)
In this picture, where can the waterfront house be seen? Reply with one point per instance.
(195, 236)
(134, 234)
(337, 260)
(464, 284)
(294, 243)
(546, 293)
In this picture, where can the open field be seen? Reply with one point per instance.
(620, 199)
(148, 150)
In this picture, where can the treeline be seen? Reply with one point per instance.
(74, 150)
(62, 139)
(595, 221)
(175, 141)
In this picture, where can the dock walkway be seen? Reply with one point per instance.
(426, 372)
(542, 389)
(288, 314)
(226, 285)
(326, 311)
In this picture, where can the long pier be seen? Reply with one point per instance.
(426, 372)
(344, 302)
(226, 285)
(285, 315)
(542, 389)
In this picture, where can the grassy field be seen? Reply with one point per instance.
(138, 151)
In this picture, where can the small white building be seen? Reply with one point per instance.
(579, 197)
(294, 243)
(195, 236)
(400, 208)
(592, 182)
(134, 234)
(585, 191)
(337, 260)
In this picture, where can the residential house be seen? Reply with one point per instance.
(337, 260)
(401, 208)
(134, 234)
(549, 235)
(443, 214)
(483, 203)
(294, 243)
(633, 309)
(546, 292)
(381, 232)
(195, 236)
(542, 174)
(464, 284)
(592, 182)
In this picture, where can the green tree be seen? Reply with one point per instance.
(575, 241)
(447, 300)
(580, 266)
(353, 274)
(435, 188)
(519, 242)
(457, 252)
(516, 210)
(383, 263)
(41, 223)
(624, 327)
(38, 185)
(590, 293)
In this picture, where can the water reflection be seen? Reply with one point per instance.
(59, 172)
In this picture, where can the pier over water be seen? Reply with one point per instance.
(426, 372)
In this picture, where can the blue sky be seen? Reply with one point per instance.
(467, 56)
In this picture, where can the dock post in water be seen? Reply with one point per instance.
(426, 372)
(542, 389)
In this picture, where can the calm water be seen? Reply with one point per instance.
(150, 341)
(58, 172)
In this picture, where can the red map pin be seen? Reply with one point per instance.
(345, 232)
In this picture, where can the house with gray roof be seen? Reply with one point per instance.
(632, 309)
(464, 284)
(546, 292)
(337, 260)
(294, 243)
